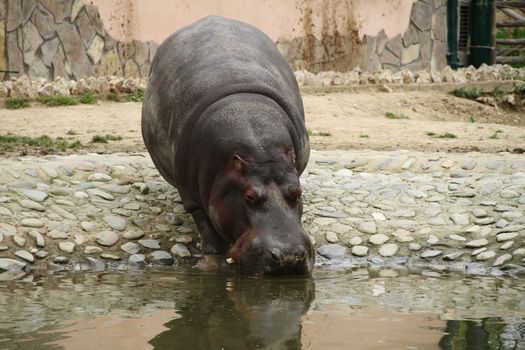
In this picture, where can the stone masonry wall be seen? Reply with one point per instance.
(422, 47)
(66, 38)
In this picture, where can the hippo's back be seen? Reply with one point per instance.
(199, 65)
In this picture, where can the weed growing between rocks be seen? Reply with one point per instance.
(16, 103)
(105, 139)
(136, 96)
(395, 116)
(53, 101)
(88, 99)
(465, 92)
(113, 97)
(44, 142)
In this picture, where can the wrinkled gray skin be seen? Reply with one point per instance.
(223, 121)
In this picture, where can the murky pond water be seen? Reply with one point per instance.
(355, 309)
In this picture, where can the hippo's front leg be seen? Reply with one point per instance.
(212, 245)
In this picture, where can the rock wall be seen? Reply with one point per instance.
(422, 47)
(66, 38)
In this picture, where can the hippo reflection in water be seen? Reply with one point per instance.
(223, 121)
(240, 313)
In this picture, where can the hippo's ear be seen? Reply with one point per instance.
(290, 155)
(238, 163)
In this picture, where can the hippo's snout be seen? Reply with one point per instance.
(291, 256)
(261, 253)
(285, 261)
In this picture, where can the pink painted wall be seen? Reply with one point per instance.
(281, 19)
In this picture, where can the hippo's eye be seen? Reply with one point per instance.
(295, 194)
(251, 197)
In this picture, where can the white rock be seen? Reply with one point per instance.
(500, 260)
(378, 239)
(360, 250)
(389, 249)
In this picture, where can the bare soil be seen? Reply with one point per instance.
(350, 120)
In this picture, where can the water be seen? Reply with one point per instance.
(353, 309)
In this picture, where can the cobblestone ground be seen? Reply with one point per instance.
(462, 212)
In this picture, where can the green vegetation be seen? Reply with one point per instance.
(515, 33)
(105, 139)
(324, 133)
(363, 136)
(71, 132)
(320, 133)
(464, 92)
(496, 134)
(471, 120)
(16, 103)
(446, 135)
(9, 142)
(113, 97)
(497, 92)
(88, 99)
(391, 115)
(137, 96)
(520, 90)
(53, 101)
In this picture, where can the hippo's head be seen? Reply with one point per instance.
(256, 205)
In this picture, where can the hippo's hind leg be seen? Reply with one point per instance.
(213, 246)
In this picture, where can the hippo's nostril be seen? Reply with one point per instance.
(276, 255)
(300, 253)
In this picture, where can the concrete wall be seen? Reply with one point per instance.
(77, 38)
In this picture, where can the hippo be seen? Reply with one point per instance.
(223, 121)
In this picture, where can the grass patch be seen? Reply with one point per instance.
(363, 136)
(469, 93)
(16, 103)
(9, 142)
(320, 133)
(53, 101)
(446, 135)
(496, 134)
(471, 120)
(324, 133)
(105, 138)
(137, 96)
(520, 90)
(113, 97)
(88, 99)
(391, 115)
(497, 92)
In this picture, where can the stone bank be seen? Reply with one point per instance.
(462, 212)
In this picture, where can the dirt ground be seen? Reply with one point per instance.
(349, 120)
